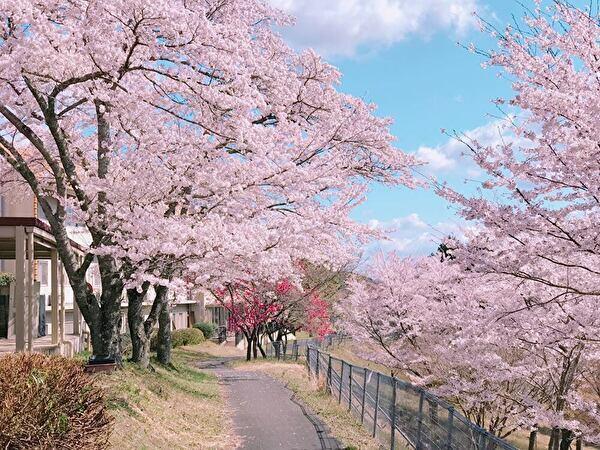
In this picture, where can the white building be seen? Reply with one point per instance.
(37, 311)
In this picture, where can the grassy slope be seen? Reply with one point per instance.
(178, 408)
(343, 425)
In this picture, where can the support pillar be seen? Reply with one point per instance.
(54, 294)
(76, 312)
(29, 285)
(61, 317)
(20, 289)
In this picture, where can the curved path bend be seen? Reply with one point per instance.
(266, 416)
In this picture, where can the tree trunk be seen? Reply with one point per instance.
(532, 440)
(567, 438)
(102, 315)
(260, 347)
(554, 443)
(163, 350)
(110, 309)
(140, 339)
(249, 347)
(255, 345)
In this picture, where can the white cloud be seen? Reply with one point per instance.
(411, 235)
(341, 27)
(454, 157)
(437, 158)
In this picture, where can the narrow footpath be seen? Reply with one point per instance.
(265, 414)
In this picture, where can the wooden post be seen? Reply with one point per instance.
(308, 360)
(317, 368)
(29, 285)
(579, 443)
(393, 416)
(54, 294)
(450, 428)
(375, 414)
(20, 289)
(364, 393)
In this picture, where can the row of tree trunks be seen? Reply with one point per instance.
(253, 345)
(560, 439)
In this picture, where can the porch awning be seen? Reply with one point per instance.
(44, 241)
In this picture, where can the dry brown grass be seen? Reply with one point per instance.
(208, 349)
(178, 408)
(348, 350)
(344, 426)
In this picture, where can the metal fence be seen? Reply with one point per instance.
(399, 414)
(298, 348)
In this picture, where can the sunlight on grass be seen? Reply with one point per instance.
(168, 408)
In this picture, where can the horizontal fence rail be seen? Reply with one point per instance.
(399, 414)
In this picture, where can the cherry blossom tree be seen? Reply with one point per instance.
(538, 208)
(185, 136)
(261, 310)
(251, 307)
(467, 337)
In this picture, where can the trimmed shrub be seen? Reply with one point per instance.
(179, 338)
(49, 402)
(186, 336)
(208, 329)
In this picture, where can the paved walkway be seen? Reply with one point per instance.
(265, 415)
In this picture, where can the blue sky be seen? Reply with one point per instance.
(403, 55)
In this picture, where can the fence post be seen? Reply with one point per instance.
(375, 414)
(317, 368)
(450, 428)
(420, 419)
(295, 350)
(329, 373)
(308, 360)
(341, 383)
(482, 439)
(393, 418)
(364, 392)
(350, 390)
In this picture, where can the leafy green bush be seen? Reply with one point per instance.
(49, 402)
(186, 336)
(208, 329)
(179, 338)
